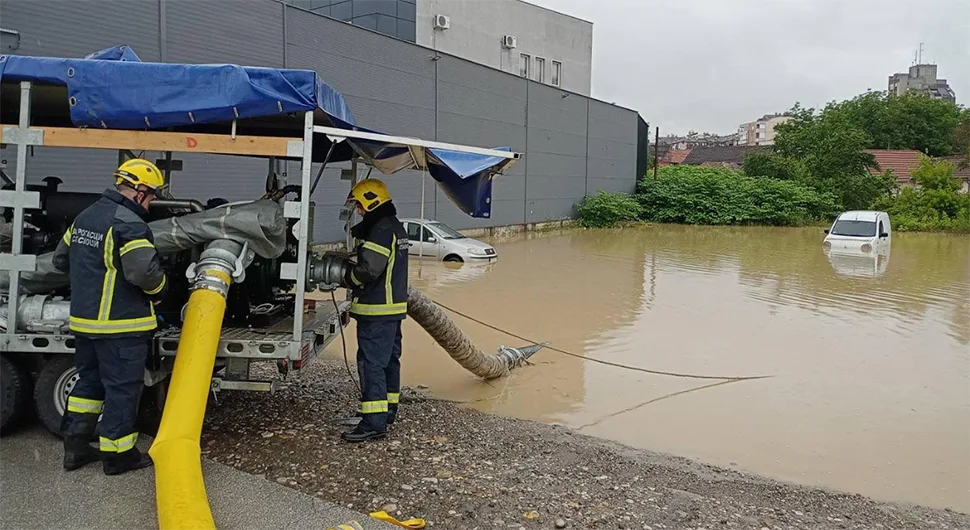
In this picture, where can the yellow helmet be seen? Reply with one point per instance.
(140, 172)
(370, 193)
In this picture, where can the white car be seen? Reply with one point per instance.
(442, 242)
(860, 231)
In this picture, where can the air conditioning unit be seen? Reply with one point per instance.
(508, 42)
(442, 22)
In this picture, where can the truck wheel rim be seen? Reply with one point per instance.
(63, 387)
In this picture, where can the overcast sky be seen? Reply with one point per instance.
(710, 65)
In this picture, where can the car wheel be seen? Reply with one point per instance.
(452, 258)
(14, 394)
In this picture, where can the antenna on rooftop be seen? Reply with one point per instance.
(920, 54)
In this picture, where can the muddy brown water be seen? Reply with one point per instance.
(871, 386)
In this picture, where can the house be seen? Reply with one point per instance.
(720, 156)
(674, 157)
(903, 162)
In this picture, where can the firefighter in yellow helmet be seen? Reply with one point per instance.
(379, 284)
(116, 279)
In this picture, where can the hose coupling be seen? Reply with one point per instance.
(327, 272)
(222, 262)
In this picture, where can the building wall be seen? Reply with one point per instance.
(921, 78)
(760, 132)
(478, 27)
(572, 144)
(390, 17)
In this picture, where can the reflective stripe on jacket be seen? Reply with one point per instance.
(380, 277)
(115, 272)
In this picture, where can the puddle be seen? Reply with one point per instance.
(871, 358)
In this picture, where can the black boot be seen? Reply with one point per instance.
(130, 460)
(362, 434)
(79, 432)
(77, 452)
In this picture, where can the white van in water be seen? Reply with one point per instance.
(859, 231)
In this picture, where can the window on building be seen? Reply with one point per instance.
(556, 79)
(525, 64)
(540, 70)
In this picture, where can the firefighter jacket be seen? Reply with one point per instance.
(115, 272)
(379, 278)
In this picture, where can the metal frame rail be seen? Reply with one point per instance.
(24, 136)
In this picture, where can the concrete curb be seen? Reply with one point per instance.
(36, 493)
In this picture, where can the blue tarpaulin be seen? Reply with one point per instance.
(114, 89)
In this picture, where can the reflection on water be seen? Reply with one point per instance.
(871, 358)
(860, 264)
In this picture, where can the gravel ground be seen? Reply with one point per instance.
(460, 468)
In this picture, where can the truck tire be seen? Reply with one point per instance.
(14, 394)
(54, 383)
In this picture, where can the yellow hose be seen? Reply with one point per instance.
(179, 487)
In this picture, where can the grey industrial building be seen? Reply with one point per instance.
(573, 144)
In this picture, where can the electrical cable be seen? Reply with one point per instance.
(600, 361)
(343, 341)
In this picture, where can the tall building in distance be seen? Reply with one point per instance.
(921, 79)
(509, 35)
(761, 131)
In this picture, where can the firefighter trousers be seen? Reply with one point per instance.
(111, 375)
(379, 369)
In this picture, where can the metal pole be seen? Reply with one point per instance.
(303, 245)
(656, 153)
(350, 221)
(421, 228)
(17, 237)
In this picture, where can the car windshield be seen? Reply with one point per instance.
(446, 231)
(854, 228)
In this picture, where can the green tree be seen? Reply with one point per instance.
(831, 148)
(961, 138)
(773, 165)
(935, 204)
(720, 196)
(909, 121)
(606, 210)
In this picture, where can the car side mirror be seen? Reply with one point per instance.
(884, 235)
(826, 231)
(432, 239)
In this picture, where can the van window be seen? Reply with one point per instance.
(881, 230)
(854, 228)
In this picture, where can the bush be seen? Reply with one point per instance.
(936, 204)
(605, 210)
(716, 196)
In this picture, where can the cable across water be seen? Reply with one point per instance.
(600, 361)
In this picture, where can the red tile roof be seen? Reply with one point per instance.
(904, 161)
(901, 161)
(677, 156)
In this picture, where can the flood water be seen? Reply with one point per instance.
(870, 359)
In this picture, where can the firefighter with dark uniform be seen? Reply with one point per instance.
(379, 286)
(116, 279)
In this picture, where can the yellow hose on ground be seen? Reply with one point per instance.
(179, 488)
